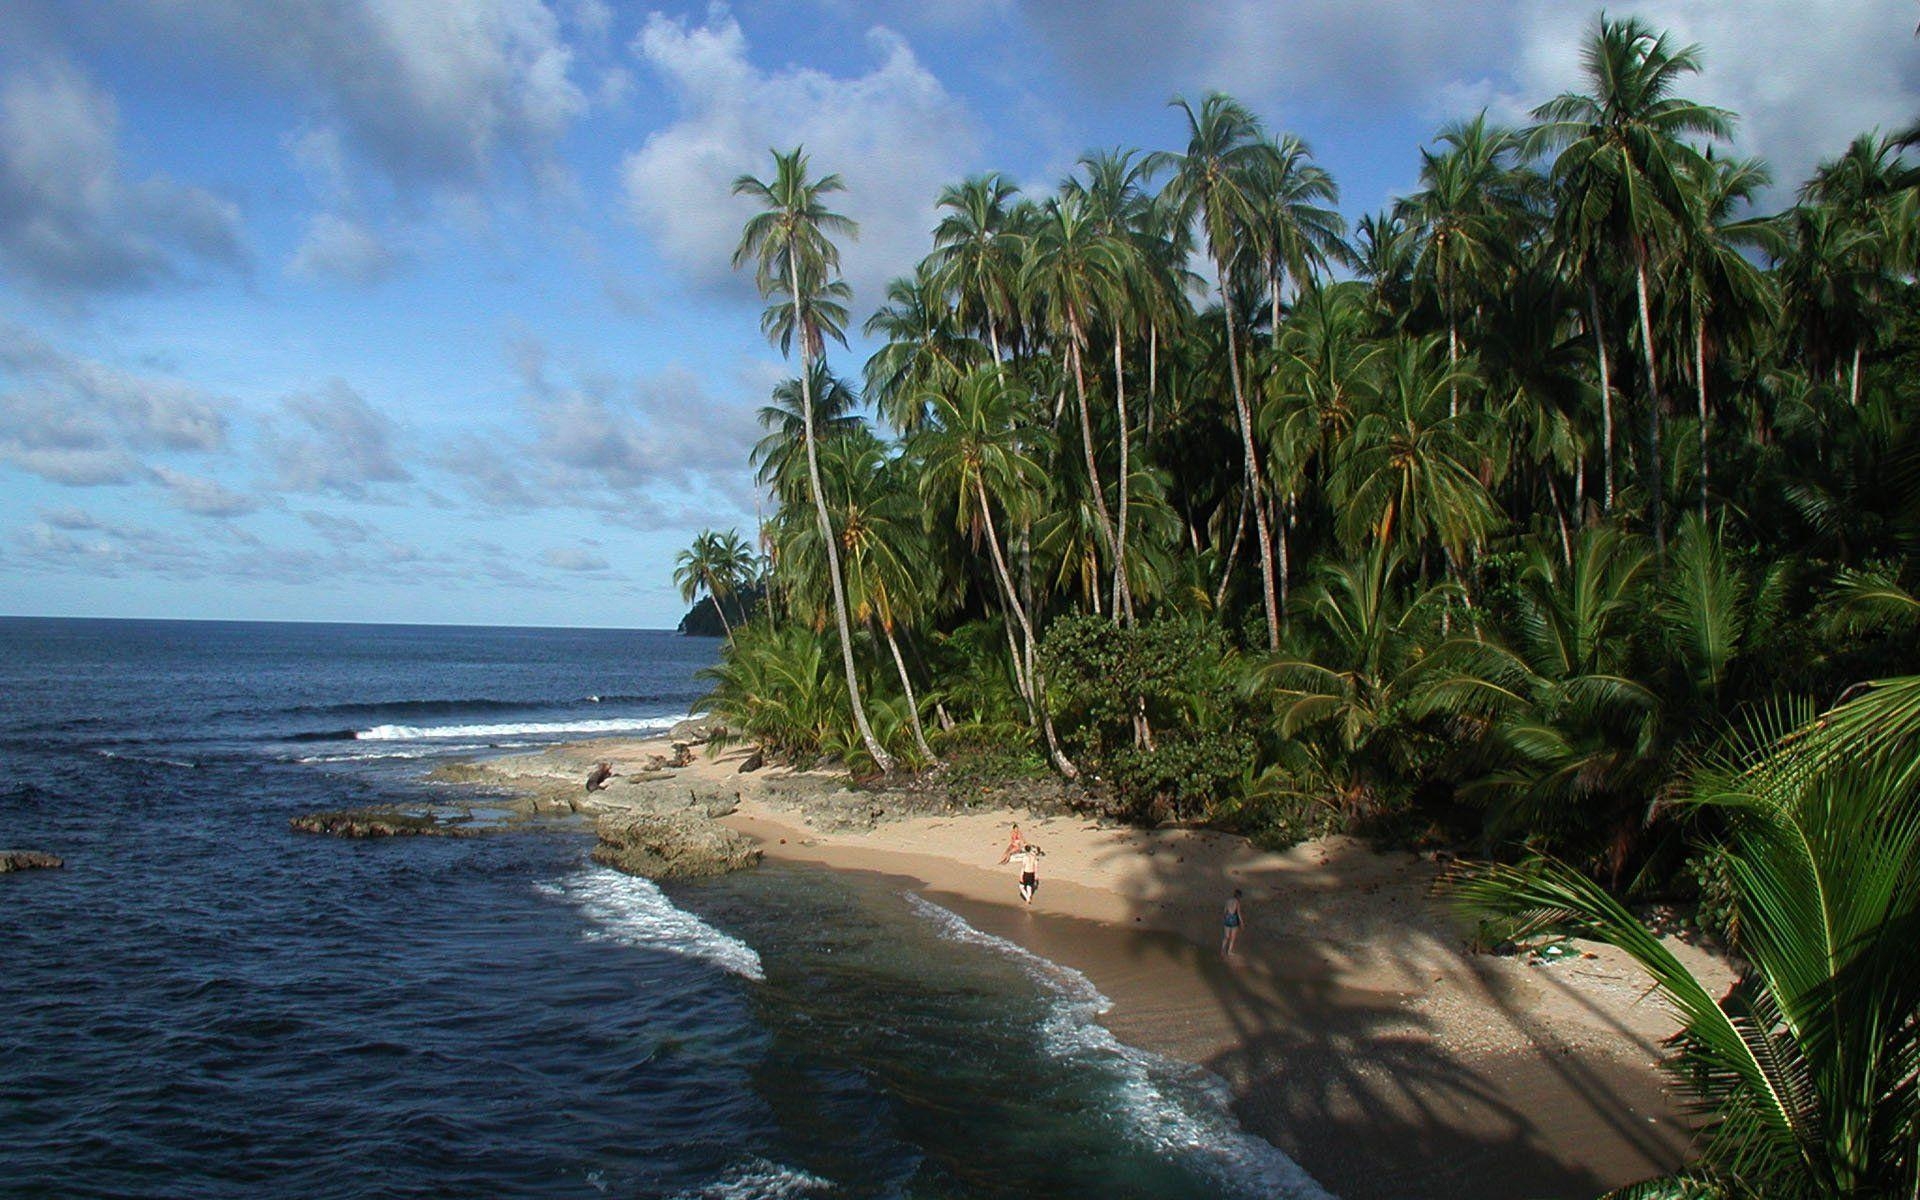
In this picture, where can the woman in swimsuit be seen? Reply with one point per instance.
(1231, 920)
(1014, 846)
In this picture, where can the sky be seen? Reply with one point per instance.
(421, 311)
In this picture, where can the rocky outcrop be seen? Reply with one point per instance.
(28, 860)
(696, 730)
(681, 844)
(378, 823)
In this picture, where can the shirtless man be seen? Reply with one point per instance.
(1029, 859)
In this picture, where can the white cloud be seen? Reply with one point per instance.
(342, 250)
(339, 444)
(80, 422)
(1803, 77)
(425, 91)
(204, 497)
(70, 222)
(573, 558)
(895, 134)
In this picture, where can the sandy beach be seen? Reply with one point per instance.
(1357, 1031)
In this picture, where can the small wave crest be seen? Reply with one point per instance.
(758, 1179)
(1176, 1108)
(635, 912)
(411, 733)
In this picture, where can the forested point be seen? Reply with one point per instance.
(1541, 514)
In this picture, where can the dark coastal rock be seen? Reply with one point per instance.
(28, 860)
(753, 762)
(377, 823)
(677, 845)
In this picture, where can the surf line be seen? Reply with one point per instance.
(1173, 1107)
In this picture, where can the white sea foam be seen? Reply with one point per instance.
(1178, 1109)
(409, 733)
(758, 1179)
(635, 912)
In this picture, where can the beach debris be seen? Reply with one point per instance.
(29, 860)
(378, 823)
(753, 762)
(682, 845)
(597, 778)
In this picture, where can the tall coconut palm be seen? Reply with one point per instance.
(791, 243)
(924, 348)
(779, 458)
(1215, 183)
(719, 564)
(1464, 210)
(1622, 168)
(1075, 273)
(1298, 230)
(972, 464)
(976, 253)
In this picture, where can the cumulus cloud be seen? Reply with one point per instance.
(343, 250)
(71, 223)
(573, 558)
(424, 91)
(77, 421)
(337, 443)
(204, 497)
(895, 133)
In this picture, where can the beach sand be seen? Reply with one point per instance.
(1357, 1032)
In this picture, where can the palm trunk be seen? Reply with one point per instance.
(1233, 551)
(1560, 518)
(913, 702)
(1656, 482)
(1122, 588)
(1086, 438)
(1286, 519)
(881, 758)
(1853, 389)
(1453, 348)
(1153, 376)
(1273, 286)
(722, 610)
(1606, 398)
(1060, 761)
(1700, 385)
(1252, 457)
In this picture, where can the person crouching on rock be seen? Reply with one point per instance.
(1029, 860)
(597, 778)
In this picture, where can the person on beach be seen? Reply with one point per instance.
(1014, 845)
(1029, 857)
(1231, 920)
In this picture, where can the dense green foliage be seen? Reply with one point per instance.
(1480, 520)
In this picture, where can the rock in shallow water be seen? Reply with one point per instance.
(675, 845)
(28, 860)
(375, 823)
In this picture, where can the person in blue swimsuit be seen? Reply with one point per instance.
(1231, 920)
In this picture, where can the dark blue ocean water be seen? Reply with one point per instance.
(204, 1003)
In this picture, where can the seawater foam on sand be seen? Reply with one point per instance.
(408, 733)
(758, 1179)
(634, 912)
(1176, 1108)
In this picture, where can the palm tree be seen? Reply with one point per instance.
(779, 458)
(924, 349)
(1216, 183)
(1074, 272)
(1464, 212)
(976, 255)
(1807, 1067)
(719, 564)
(1622, 169)
(791, 243)
(971, 464)
(1298, 231)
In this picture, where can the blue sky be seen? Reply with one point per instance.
(419, 310)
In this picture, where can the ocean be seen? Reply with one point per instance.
(203, 1003)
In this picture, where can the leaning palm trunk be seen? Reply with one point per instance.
(881, 758)
(1233, 552)
(1656, 483)
(906, 684)
(1122, 588)
(1060, 760)
(1252, 457)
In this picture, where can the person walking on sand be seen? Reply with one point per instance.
(1015, 844)
(1029, 858)
(1231, 920)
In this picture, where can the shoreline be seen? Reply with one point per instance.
(1355, 1032)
